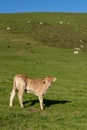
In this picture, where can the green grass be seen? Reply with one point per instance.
(25, 51)
(51, 33)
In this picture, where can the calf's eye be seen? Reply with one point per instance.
(44, 82)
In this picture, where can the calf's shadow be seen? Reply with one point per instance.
(46, 102)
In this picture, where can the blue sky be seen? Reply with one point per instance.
(15, 6)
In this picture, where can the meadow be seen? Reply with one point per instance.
(41, 50)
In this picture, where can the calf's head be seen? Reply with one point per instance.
(48, 80)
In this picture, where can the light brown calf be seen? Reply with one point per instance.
(36, 86)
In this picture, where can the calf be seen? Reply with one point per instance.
(36, 86)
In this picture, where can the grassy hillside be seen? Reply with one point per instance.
(51, 32)
(41, 50)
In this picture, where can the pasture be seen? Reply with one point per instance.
(40, 50)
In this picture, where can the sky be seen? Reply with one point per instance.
(17, 6)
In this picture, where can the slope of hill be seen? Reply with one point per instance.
(63, 30)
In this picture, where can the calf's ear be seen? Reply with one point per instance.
(54, 79)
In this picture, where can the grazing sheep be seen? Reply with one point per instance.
(77, 49)
(81, 46)
(68, 23)
(76, 52)
(41, 23)
(8, 28)
(28, 22)
(61, 22)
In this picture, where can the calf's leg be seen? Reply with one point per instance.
(20, 95)
(12, 97)
(41, 101)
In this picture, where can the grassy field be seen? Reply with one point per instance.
(39, 51)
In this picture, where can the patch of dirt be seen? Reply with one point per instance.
(32, 110)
